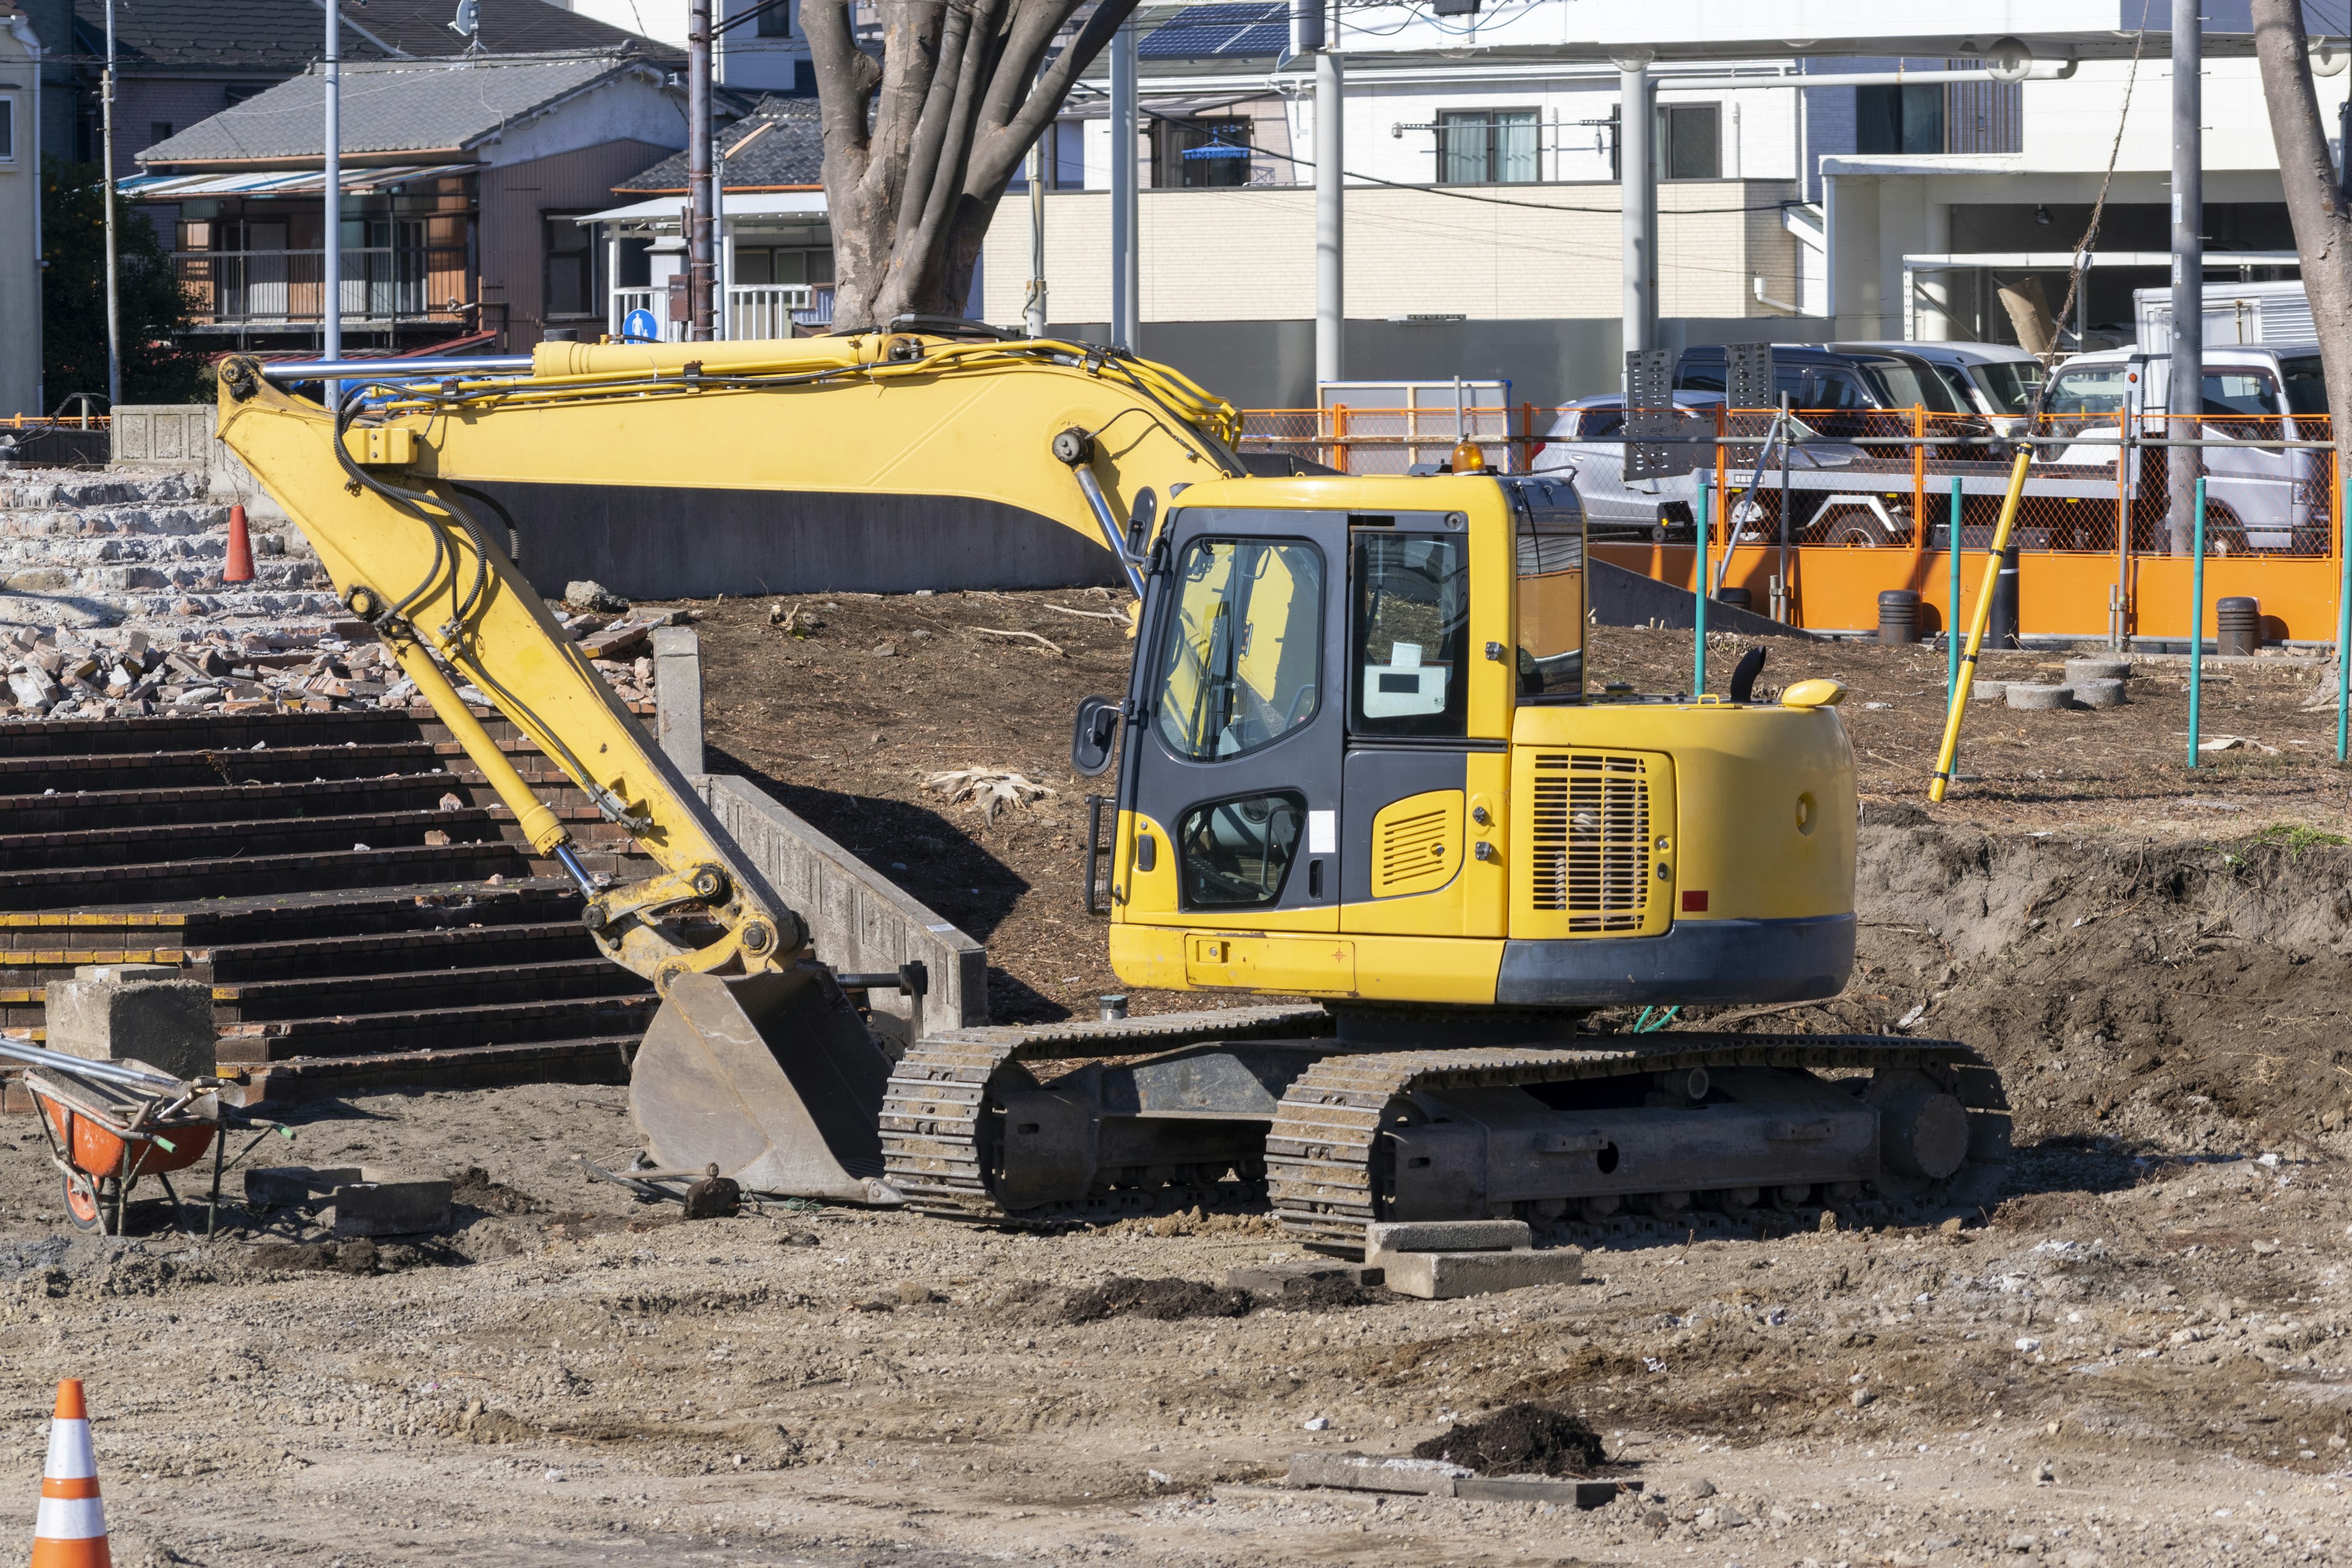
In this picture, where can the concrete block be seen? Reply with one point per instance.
(678, 696)
(292, 1187)
(2106, 693)
(2028, 694)
(1274, 1278)
(1988, 690)
(1561, 1494)
(1447, 1235)
(391, 1208)
(1443, 1276)
(1371, 1473)
(140, 1012)
(2081, 670)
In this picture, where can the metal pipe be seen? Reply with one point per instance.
(1952, 619)
(330, 286)
(1699, 595)
(699, 179)
(1330, 210)
(1638, 198)
(1099, 504)
(2197, 625)
(1032, 307)
(575, 870)
(113, 292)
(2187, 369)
(426, 369)
(1126, 274)
(112, 1072)
(2343, 615)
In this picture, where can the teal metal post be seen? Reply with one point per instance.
(1698, 590)
(2197, 626)
(1952, 619)
(2344, 627)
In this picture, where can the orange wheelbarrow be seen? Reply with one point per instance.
(106, 1136)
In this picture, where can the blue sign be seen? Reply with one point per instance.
(640, 327)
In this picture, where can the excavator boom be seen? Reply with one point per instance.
(756, 1062)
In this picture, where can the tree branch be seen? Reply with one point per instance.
(836, 59)
(924, 163)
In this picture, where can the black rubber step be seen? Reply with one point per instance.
(497, 984)
(403, 951)
(436, 1028)
(86, 810)
(593, 1059)
(101, 847)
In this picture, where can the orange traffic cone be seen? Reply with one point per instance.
(70, 1531)
(239, 566)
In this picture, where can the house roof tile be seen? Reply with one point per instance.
(780, 145)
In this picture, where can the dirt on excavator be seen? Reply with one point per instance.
(2140, 1354)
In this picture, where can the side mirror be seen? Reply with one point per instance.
(1093, 736)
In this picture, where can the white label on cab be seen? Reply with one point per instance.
(1322, 833)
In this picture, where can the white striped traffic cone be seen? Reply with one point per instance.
(71, 1530)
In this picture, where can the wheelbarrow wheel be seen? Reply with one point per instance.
(82, 1203)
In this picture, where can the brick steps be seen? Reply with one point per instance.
(224, 844)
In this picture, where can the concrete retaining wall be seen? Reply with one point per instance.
(180, 435)
(861, 920)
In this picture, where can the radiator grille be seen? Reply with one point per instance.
(1593, 839)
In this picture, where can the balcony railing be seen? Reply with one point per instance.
(752, 311)
(380, 284)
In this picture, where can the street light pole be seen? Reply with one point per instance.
(331, 271)
(700, 205)
(113, 297)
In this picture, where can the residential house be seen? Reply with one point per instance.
(179, 61)
(462, 180)
(1483, 218)
(20, 216)
(775, 246)
(757, 45)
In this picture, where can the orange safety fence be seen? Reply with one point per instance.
(1867, 497)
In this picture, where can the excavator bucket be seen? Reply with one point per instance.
(772, 1078)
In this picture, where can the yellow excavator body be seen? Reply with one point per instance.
(1358, 761)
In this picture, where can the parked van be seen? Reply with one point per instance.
(2256, 498)
(1839, 389)
(1995, 379)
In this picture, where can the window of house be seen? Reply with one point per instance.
(636, 264)
(775, 22)
(569, 261)
(1898, 119)
(1196, 154)
(1690, 140)
(7, 129)
(158, 131)
(1487, 147)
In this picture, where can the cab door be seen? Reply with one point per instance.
(1231, 789)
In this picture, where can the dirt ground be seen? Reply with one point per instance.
(2139, 1357)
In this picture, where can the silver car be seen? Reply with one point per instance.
(1588, 442)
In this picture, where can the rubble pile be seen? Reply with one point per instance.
(57, 673)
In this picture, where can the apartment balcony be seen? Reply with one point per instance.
(382, 286)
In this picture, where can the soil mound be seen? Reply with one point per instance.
(474, 1188)
(1162, 1301)
(1520, 1440)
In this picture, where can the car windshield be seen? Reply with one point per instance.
(2009, 384)
(2306, 388)
(1910, 386)
(2089, 389)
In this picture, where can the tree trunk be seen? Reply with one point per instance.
(921, 138)
(2314, 201)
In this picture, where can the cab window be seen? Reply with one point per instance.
(1551, 605)
(1411, 633)
(1233, 853)
(1242, 666)
(2093, 390)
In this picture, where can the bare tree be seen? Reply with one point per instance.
(921, 138)
(2315, 200)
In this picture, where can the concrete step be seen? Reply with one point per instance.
(116, 487)
(96, 810)
(54, 526)
(123, 844)
(593, 1059)
(315, 999)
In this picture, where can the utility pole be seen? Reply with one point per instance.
(1126, 214)
(2186, 377)
(1032, 309)
(330, 305)
(701, 205)
(113, 294)
(1331, 205)
(1637, 198)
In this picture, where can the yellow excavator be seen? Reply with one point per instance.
(1358, 761)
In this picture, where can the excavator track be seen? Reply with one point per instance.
(934, 1112)
(1322, 1151)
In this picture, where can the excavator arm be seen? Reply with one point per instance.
(755, 1061)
